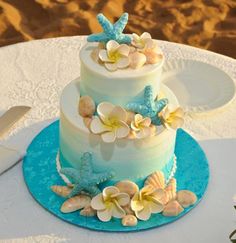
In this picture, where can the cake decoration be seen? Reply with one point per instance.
(88, 211)
(87, 106)
(128, 187)
(186, 198)
(111, 123)
(111, 31)
(172, 118)
(171, 189)
(173, 208)
(85, 179)
(149, 107)
(129, 220)
(63, 191)
(141, 41)
(115, 56)
(109, 203)
(137, 59)
(156, 180)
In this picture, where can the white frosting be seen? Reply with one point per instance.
(127, 158)
(118, 87)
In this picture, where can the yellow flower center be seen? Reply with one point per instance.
(114, 56)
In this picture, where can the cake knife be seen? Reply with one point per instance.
(9, 156)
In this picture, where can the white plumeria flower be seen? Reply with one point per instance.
(140, 41)
(111, 123)
(172, 117)
(109, 203)
(115, 56)
(142, 126)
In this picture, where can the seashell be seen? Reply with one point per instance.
(88, 212)
(128, 187)
(87, 106)
(173, 208)
(128, 209)
(130, 117)
(171, 189)
(129, 220)
(156, 180)
(75, 203)
(137, 60)
(186, 198)
(87, 121)
(62, 191)
(152, 57)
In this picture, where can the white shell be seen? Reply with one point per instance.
(75, 203)
(137, 60)
(173, 208)
(88, 212)
(62, 191)
(171, 189)
(86, 106)
(186, 198)
(156, 180)
(128, 187)
(129, 220)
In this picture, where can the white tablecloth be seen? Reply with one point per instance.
(34, 74)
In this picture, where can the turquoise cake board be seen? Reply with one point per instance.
(40, 173)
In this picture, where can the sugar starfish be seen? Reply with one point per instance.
(110, 31)
(85, 179)
(149, 107)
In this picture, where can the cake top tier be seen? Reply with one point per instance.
(117, 50)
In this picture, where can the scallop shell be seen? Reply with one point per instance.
(156, 180)
(129, 220)
(186, 198)
(137, 60)
(171, 189)
(173, 208)
(62, 191)
(88, 212)
(128, 209)
(152, 57)
(87, 106)
(75, 203)
(128, 187)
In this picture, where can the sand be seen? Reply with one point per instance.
(208, 24)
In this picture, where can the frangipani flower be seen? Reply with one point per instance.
(147, 201)
(111, 123)
(142, 126)
(115, 56)
(109, 203)
(172, 118)
(140, 41)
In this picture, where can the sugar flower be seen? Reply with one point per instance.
(140, 41)
(142, 126)
(172, 118)
(115, 56)
(111, 123)
(109, 203)
(137, 60)
(147, 201)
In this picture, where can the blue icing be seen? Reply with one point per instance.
(111, 31)
(192, 174)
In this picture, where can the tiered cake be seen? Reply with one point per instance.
(118, 129)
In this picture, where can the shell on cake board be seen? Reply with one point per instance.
(75, 203)
(63, 191)
(173, 208)
(186, 198)
(156, 180)
(88, 211)
(129, 220)
(171, 189)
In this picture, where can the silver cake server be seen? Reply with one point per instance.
(9, 156)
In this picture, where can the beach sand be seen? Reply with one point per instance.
(208, 24)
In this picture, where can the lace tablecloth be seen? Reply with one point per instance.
(35, 73)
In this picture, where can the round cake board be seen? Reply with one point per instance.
(40, 173)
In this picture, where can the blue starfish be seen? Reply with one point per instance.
(149, 107)
(85, 179)
(111, 32)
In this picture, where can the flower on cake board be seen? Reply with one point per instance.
(172, 118)
(109, 203)
(142, 127)
(115, 56)
(147, 201)
(111, 123)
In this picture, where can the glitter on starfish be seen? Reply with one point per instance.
(111, 31)
(149, 107)
(84, 178)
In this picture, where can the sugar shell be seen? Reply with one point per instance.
(171, 189)
(186, 198)
(88, 212)
(129, 220)
(128, 209)
(87, 121)
(173, 208)
(87, 106)
(156, 180)
(75, 203)
(62, 191)
(128, 187)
